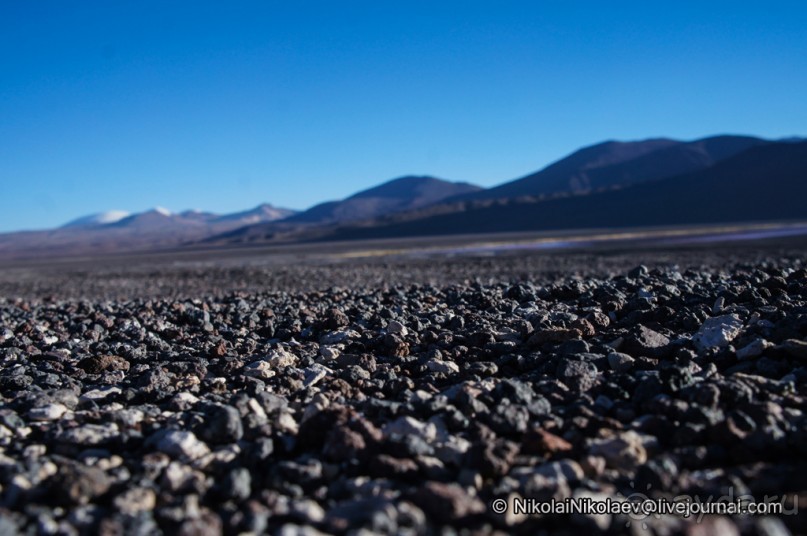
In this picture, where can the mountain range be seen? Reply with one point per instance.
(650, 182)
(115, 231)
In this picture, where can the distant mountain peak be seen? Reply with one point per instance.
(162, 210)
(395, 195)
(101, 218)
(614, 163)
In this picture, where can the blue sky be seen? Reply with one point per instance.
(220, 106)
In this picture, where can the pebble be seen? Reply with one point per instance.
(91, 434)
(48, 412)
(620, 362)
(133, 501)
(647, 342)
(181, 443)
(444, 367)
(795, 348)
(753, 349)
(717, 332)
(625, 452)
(447, 502)
(397, 328)
(222, 425)
(314, 374)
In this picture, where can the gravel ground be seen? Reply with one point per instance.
(402, 396)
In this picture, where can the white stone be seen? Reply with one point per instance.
(335, 337)
(136, 500)
(445, 367)
(329, 352)
(257, 409)
(314, 374)
(281, 358)
(404, 426)
(182, 443)
(285, 422)
(91, 434)
(129, 417)
(309, 510)
(48, 412)
(625, 451)
(100, 394)
(186, 397)
(753, 349)
(717, 332)
(397, 328)
(259, 369)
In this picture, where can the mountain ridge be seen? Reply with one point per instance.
(611, 183)
(731, 190)
(402, 193)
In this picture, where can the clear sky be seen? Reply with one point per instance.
(223, 105)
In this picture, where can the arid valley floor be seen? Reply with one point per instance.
(389, 388)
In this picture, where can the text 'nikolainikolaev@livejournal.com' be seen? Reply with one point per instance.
(683, 506)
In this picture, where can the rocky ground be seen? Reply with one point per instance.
(407, 399)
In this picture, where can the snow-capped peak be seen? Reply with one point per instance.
(101, 218)
(111, 216)
(163, 211)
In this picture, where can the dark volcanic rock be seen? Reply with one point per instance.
(377, 403)
(447, 502)
(647, 342)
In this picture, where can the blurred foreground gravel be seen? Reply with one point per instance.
(402, 396)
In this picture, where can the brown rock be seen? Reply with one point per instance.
(554, 335)
(584, 326)
(335, 319)
(103, 363)
(220, 350)
(447, 502)
(79, 484)
(539, 441)
(492, 458)
(387, 466)
(395, 346)
(599, 320)
(343, 445)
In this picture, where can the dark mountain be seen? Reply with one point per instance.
(764, 183)
(612, 184)
(405, 193)
(616, 164)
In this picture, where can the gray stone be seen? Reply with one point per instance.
(444, 367)
(620, 362)
(795, 348)
(624, 452)
(91, 434)
(223, 425)
(136, 500)
(753, 349)
(404, 426)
